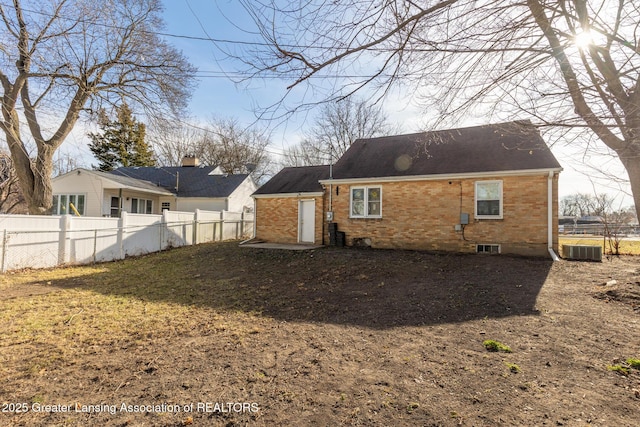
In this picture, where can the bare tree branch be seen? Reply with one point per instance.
(495, 59)
(76, 56)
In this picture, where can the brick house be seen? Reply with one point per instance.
(490, 188)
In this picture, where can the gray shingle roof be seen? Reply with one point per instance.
(304, 179)
(129, 182)
(502, 147)
(191, 181)
(490, 148)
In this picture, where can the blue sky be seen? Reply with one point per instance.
(217, 95)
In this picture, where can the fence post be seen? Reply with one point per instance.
(221, 226)
(122, 224)
(4, 250)
(62, 242)
(196, 219)
(159, 227)
(95, 245)
(164, 229)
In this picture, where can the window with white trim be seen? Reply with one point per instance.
(62, 204)
(488, 200)
(115, 207)
(142, 206)
(366, 202)
(488, 249)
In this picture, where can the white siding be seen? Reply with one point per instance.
(241, 197)
(82, 183)
(190, 204)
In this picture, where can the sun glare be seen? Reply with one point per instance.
(583, 40)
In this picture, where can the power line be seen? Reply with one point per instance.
(158, 33)
(211, 131)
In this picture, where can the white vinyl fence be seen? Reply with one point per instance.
(33, 241)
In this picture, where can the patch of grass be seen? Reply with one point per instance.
(622, 370)
(634, 363)
(493, 345)
(132, 302)
(513, 367)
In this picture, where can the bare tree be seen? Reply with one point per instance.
(582, 204)
(568, 65)
(65, 162)
(172, 139)
(305, 153)
(69, 56)
(335, 128)
(222, 142)
(235, 148)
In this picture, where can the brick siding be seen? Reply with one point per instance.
(277, 219)
(423, 215)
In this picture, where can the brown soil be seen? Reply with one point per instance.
(358, 337)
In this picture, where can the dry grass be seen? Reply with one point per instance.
(114, 304)
(333, 336)
(627, 247)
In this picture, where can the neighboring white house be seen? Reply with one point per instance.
(151, 190)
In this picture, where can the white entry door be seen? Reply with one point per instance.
(306, 221)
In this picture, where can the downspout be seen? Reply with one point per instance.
(330, 185)
(255, 217)
(554, 256)
(330, 209)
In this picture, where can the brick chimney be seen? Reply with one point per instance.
(190, 161)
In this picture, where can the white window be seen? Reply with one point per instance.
(166, 206)
(142, 206)
(115, 207)
(488, 249)
(489, 199)
(62, 204)
(366, 202)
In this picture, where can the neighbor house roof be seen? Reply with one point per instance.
(121, 181)
(302, 179)
(512, 146)
(185, 181)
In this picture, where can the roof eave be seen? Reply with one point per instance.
(159, 192)
(436, 177)
(288, 195)
(113, 184)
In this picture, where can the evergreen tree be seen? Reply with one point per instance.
(121, 141)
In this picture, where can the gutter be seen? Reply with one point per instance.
(440, 177)
(554, 256)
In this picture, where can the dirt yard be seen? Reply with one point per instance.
(227, 336)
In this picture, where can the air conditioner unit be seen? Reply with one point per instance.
(582, 252)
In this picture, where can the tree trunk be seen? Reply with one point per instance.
(42, 196)
(632, 165)
(34, 177)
